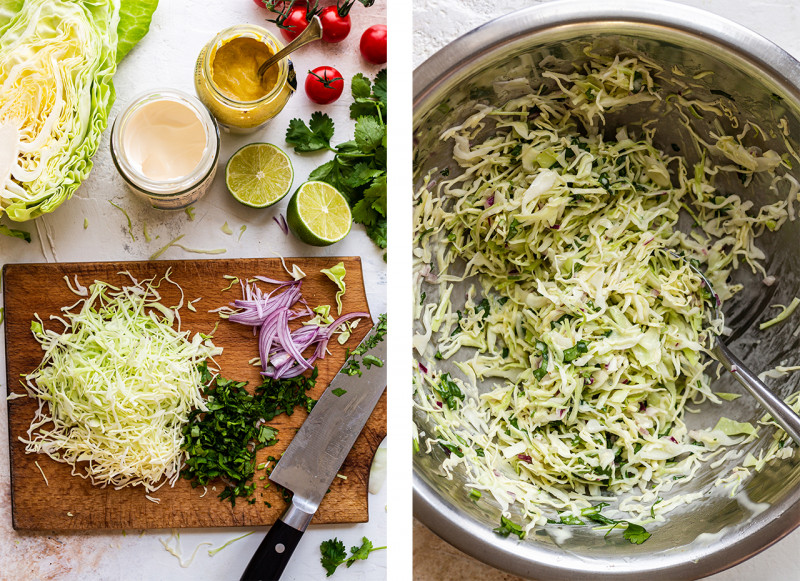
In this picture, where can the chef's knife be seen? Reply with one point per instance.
(313, 458)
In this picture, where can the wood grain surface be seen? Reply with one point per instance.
(40, 288)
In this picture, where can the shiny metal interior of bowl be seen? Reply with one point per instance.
(718, 530)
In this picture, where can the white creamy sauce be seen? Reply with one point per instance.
(755, 508)
(710, 538)
(164, 140)
(559, 534)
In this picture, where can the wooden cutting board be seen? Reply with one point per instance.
(40, 288)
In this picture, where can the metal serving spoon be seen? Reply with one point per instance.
(312, 32)
(784, 415)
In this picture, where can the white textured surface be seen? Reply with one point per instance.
(166, 58)
(437, 22)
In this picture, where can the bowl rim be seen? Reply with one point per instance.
(466, 533)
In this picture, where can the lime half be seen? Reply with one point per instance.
(259, 174)
(318, 214)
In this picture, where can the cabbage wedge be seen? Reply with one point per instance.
(57, 59)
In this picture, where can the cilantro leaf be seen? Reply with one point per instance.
(362, 175)
(377, 233)
(369, 134)
(380, 86)
(636, 534)
(321, 125)
(312, 137)
(333, 555)
(360, 87)
(371, 209)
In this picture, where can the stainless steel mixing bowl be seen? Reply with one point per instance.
(719, 530)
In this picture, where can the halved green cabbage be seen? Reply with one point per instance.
(57, 59)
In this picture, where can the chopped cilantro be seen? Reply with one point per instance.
(508, 527)
(448, 391)
(353, 367)
(222, 441)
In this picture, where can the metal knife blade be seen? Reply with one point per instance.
(317, 451)
(313, 457)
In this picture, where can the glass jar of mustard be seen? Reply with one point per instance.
(227, 82)
(165, 145)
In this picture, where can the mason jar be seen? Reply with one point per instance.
(178, 181)
(235, 113)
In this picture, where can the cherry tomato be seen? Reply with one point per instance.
(259, 3)
(324, 85)
(335, 27)
(295, 23)
(373, 44)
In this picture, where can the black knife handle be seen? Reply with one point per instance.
(273, 553)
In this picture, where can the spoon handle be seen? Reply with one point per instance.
(312, 32)
(784, 415)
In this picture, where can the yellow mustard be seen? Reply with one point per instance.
(227, 81)
(235, 69)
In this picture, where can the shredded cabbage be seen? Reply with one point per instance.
(590, 335)
(786, 312)
(116, 386)
(336, 274)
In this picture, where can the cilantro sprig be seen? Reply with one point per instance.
(358, 168)
(334, 554)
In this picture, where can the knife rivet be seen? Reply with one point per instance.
(280, 548)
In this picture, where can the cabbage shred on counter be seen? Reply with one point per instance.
(588, 337)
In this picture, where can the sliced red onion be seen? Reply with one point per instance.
(282, 224)
(280, 348)
(525, 458)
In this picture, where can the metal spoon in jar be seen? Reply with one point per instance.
(780, 411)
(312, 32)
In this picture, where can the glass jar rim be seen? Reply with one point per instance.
(245, 31)
(179, 185)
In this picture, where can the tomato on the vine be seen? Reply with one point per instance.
(373, 44)
(324, 85)
(335, 23)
